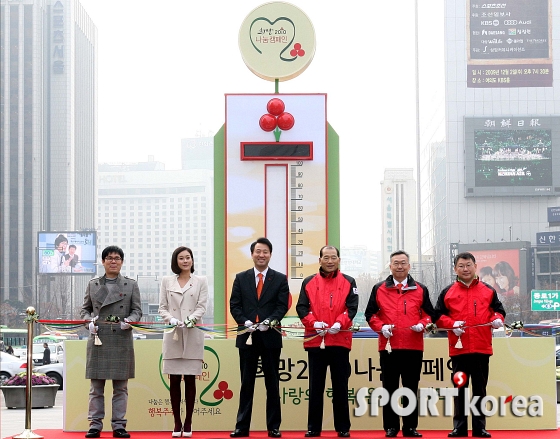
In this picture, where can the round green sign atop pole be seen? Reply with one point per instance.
(277, 41)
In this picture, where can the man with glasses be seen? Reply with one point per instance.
(399, 309)
(472, 309)
(328, 301)
(111, 302)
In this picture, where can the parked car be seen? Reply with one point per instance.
(53, 370)
(57, 353)
(10, 366)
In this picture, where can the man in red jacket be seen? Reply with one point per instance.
(472, 308)
(328, 301)
(399, 309)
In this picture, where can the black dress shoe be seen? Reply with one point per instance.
(120, 432)
(391, 432)
(239, 433)
(458, 433)
(312, 433)
(411, 432)
(481, 433)
(343, 434)
(274, 433)
(93, 432)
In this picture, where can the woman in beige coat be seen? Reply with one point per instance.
(182, 302)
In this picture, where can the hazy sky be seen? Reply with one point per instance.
(164, 68)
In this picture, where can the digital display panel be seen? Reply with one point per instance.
(512, 156)
(509, 44)
(67, 252)
(277, 151)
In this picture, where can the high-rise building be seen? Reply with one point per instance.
(490, 143)
(48, 137)
(149, 213)
(197, 153)
(398, 214)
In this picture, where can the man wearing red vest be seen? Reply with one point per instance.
(328, 301)
(399, 309)
(472, 308)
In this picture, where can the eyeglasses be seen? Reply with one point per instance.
(399, 264)
(111, 259)
(329, 258)
(468, 266)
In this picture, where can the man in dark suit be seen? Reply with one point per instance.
(259, 296)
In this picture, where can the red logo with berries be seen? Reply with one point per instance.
(276, 119)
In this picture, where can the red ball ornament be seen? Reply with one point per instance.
(223, 385)
(228, 394)
(286, 121)
(218, 394)
(275, 106)
(267, 122)
(460, 379)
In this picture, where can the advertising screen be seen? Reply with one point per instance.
(67, 252)
(509, 44)
(500, 269)
(512, 156)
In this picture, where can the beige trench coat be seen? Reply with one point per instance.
(190, 304)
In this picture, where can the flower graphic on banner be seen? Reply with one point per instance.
(297, 50)
(276, 119)
(222, 391)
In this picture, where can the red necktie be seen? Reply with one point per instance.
(259, 285)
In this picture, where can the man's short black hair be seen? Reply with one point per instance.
(399, 252)
(329, 247)
(464, 255)
(175, 265)
(264, 241)
(72, 246)
(112, 249)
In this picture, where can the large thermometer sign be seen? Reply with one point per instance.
(278, 171)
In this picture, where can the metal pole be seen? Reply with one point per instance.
(28, 433)
(418, 183)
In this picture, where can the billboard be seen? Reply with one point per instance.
(67, 252)
(512, 156)
(503, 265)
(509, 44)
(553, 214)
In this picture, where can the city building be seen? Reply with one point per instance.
(149, 212)
(490, 136)
(48, 143)
(398, 214)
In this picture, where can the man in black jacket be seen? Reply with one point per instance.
(46, 354)
(259, 297)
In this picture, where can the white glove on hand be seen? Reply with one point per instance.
(334, 329)
(496, 324)
(419, 327)
(387, 330)
(173, 321)
(92, 328)
(264, 326)
(458, 331)
(190, 323)
(320, 327)
(125, 324)
(250, 326)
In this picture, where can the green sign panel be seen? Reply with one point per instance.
(545, 300)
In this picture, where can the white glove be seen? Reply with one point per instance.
(173, 321)
(334, 329)
(320, 327)
(458, 331)
(250, 326)
(387, 330)
(264, 325)
(125, 324)
(92, 328)
(496, 324)
(419, 327)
